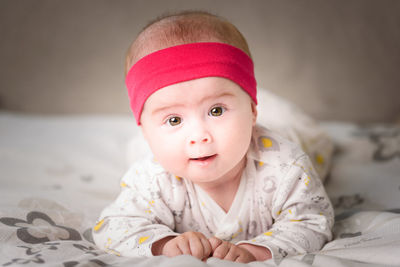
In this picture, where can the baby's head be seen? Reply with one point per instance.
(191, 83)
(183, 28)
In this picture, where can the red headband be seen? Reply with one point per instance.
(188, 62)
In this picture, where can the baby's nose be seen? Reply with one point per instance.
(200, 137)
(204, 140)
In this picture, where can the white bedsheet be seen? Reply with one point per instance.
(58, 172)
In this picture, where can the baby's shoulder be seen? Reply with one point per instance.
(150, 180)
(146, 172)
(271, 147)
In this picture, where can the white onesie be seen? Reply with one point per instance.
(280, 204)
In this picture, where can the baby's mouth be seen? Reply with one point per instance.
(202, 159)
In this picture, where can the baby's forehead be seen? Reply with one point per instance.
(194, 92)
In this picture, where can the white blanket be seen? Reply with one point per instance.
(58, 172)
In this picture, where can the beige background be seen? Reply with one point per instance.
(336, 59)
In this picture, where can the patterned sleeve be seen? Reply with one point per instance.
(137, 218)
(301, 211)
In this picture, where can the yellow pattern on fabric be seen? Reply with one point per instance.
(266, 142)
(98, 225)
(143, 239)
(320, 159)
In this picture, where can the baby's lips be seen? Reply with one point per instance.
(204, 157)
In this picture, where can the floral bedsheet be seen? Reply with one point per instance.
(58, 172)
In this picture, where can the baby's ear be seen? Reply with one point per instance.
(254, 111)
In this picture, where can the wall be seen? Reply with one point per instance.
(335, 59)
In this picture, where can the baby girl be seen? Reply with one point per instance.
(217, 184)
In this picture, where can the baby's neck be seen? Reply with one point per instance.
(224, 193)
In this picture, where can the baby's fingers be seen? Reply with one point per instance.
(172, 252)
(196, 248)
(184, 248)
(183, 245)
(232, 254)
(171, 248)
(214, 242)
(207, 248)
(221, 251)
(199, 247)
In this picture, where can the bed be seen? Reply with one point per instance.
(58, 172)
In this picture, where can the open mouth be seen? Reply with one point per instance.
(203, 159)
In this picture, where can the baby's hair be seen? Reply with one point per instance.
(183, 28)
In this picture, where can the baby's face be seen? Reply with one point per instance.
(200, 129)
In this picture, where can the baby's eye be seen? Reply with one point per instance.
(174, 121)
(216, 111)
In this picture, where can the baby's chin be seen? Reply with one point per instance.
(207, 180)
(201, 178)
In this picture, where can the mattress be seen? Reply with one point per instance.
(58, 172)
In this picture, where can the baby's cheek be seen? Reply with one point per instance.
(242, 139)
(171, 161)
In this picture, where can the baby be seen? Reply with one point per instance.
(217, 185)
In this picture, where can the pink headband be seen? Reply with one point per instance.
(188, 62)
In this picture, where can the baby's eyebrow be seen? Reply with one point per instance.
(160, 109)
(223, 94)
(178, 105)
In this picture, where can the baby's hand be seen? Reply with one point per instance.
(228, 251)
(189, 243)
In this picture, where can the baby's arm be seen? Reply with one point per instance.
(137, 218)
(302, 213)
